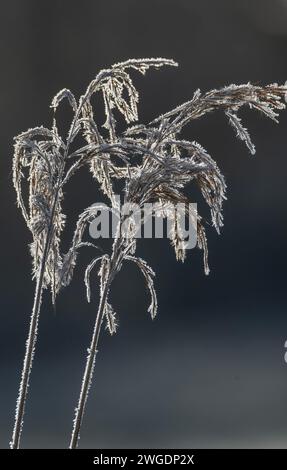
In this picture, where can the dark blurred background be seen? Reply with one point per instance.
(210, 370)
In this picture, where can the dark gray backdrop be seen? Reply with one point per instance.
(210, 370)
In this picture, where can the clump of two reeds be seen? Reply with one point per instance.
(165, 164)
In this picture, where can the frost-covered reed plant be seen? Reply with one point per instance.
(155, 165)
(158, 165)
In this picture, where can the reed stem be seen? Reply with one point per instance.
(32, 339)
(89, 369)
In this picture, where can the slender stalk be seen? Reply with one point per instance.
(89, 369)
(34, 320)
(32, 339)
(92, 351)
